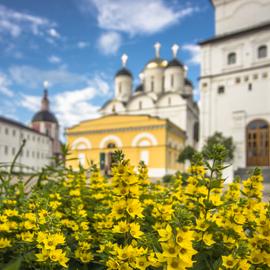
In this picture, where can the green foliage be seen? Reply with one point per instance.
(14, 265)
(168, 178)
(186, 154)
(210, 148)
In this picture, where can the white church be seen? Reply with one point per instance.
(164, 91)
(235, 79)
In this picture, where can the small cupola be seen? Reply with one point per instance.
(123, 82)
(175, 62)
(44, 115)
(124, 71)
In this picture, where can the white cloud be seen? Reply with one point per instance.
(32, 77)
(54, 59)
(133, 18)
(4, 86)
(32, 103)
(137, 17)
(15, 23)
(53, 33)
(82, 44)
(98, 82)
(13, 29)
(72, 106)
(195, 53)
(109, 42)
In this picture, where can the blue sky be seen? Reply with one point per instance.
(76, 46)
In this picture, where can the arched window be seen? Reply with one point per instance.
(172, 80)
(196, 131)
(144, 156)
(140, 105)
(152, 83)
(221, 89)
(231, 58)
(120, 88)
(81, 158)
(262, 51)
(111, 145)
(163, 82)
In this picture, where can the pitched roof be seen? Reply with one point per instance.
(20, 125)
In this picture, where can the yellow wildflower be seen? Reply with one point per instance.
(134, 208)
(170, 250)
(4, 243)
(165, 234)
(208, 239)
(27, 236)
(121, 227)
(229, 261)
(135, 230)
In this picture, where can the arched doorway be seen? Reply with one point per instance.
(109, 159)
(257, 138)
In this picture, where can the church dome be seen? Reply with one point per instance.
(123, 71)
(44, 116)
(188, 82)
(156, 63)
(139, 88)
(175, 63)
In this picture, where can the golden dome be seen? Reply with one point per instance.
(157, 63)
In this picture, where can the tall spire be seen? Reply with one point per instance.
(45, 100)
(124, 59)
(157, 49)
(175, 49)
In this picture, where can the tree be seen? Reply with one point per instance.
(186, 154)
(218, 138)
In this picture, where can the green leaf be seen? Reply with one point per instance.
(14, 265)
(215, 183)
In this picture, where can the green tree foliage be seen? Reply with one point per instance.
(219, 139)
(186, 154)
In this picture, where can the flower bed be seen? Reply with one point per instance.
(80, 220)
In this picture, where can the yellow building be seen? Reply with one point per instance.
(155, 141)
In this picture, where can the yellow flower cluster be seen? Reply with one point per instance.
(81, 220)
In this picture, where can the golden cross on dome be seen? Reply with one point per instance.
(124, 59)
(157, 49)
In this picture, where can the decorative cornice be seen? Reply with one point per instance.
(234, 72)
(236, 34)
(112, 130)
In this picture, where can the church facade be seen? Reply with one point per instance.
(155, 141)
(164, 91)
(151, 123)
(235, 79)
